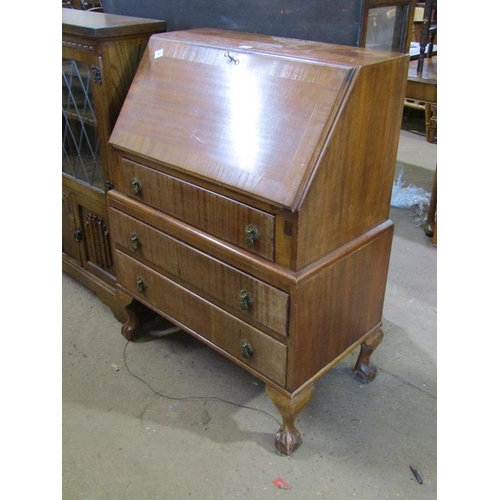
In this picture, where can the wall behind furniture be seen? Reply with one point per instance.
(333, 21)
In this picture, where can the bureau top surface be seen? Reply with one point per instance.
(99, 24)
(248, 112)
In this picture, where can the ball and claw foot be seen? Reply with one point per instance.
(136, 314)
(364, 371)
(288, 438)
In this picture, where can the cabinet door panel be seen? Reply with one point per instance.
(96, 240)
(81, 140)
(70, 246)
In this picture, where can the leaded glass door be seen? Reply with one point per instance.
(85, 124)
(81, 143)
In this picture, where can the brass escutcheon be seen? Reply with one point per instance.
(231, 58)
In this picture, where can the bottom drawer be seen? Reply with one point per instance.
(241, 341)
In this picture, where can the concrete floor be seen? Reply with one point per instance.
(125, 439)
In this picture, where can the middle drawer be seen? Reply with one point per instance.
(245, 296)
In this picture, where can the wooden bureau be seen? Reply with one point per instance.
(253, 178)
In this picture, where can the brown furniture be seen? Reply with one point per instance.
(421, 87)
(93, 5)
(253, 184)
(100, 53)
(386, 24)
(430, 227)
(428, 32)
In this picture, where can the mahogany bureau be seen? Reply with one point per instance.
(253, 178)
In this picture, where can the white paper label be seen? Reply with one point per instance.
(158, 53)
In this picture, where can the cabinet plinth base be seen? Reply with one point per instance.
(364, 371)
(288, 438)
(104, 291)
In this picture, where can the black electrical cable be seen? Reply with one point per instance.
(192, 398)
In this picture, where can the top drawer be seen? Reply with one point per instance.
(227, 219)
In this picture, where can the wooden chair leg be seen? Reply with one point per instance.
(428, 116)
(430, 121)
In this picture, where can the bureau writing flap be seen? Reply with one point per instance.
(252, 120)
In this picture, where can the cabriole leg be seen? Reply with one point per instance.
(365, 371)
(288, 438)
(136, 314)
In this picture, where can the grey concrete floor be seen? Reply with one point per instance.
(140, 420)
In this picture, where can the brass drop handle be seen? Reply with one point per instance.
(141, 285)
(136, 185)
(136, 242)
(251, 235)
(246, 349)
(245, 300)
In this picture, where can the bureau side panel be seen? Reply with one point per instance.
(334, 308)
(351, 190)
(121, 59)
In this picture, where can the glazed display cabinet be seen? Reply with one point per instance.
(100, 53)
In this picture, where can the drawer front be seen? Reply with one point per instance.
(246, 297)
(227, 219)
(241, 341)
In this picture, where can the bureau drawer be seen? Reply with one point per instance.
(247, 297)
(238, 339)
(227, 219)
